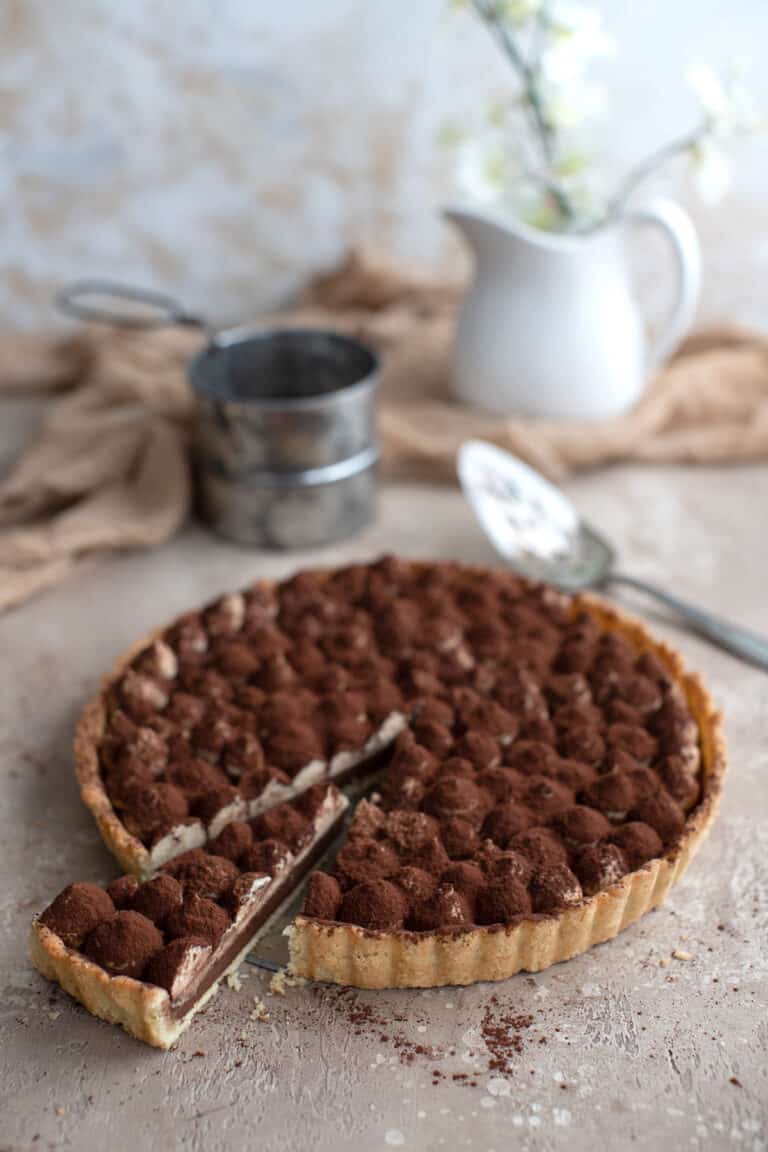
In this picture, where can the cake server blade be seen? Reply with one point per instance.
(270, 946)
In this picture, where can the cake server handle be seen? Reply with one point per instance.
(739, 641)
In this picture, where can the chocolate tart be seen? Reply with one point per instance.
(148, 956)
(556, 764)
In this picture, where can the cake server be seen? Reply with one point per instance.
(270, 944)
(537, 530)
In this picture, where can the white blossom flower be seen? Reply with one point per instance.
(571, 164)
(483, 169)
(578, 37)
(724, 101)
(536, 209)
(521, 11)
(711, 170)
(568, 105)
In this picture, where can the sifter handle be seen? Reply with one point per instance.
(108, 302)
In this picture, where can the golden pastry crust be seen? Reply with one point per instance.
(128, 850)
(142, 1009)
(350, 955)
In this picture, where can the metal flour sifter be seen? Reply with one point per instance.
(284, 447)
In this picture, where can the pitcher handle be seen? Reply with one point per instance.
(679, 230)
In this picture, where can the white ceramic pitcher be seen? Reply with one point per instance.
(550, 326)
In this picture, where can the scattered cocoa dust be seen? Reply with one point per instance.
(366, 1021)
(504, 1035)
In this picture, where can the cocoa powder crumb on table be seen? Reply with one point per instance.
(503, 1038)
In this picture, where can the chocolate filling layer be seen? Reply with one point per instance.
(236, 938)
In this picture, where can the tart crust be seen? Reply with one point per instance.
(350, 955)
(141, 1009)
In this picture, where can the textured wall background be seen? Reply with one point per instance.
(226, 149)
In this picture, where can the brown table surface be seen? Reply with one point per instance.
(626, 1047)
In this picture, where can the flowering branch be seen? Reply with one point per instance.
(529, 74)
(549, 44)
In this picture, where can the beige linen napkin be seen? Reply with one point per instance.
(108, 467)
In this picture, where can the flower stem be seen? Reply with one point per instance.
(641, 172)
(529, 74)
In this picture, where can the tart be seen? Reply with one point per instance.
(149, 955)
(548, 768)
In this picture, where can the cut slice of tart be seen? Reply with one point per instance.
(149, 955)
